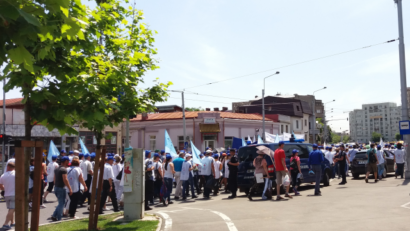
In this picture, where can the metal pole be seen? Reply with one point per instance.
(3, 156)
(263, 112)
(127, 133)
(314, 120)
(183, 116)
(403, 83)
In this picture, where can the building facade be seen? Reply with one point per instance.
(382, 118)
(205, 129)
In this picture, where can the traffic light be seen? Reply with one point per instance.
(6, 138)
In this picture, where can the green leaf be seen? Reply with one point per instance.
(8, 11)
(64, 10)
(64, 28)
(80, 35)
(21, 55)
(30, 18)
(42, 53)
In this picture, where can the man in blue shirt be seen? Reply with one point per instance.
(177, 167)
(315, 164)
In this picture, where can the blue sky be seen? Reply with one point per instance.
(206, 41)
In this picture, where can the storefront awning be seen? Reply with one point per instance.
(209, 128)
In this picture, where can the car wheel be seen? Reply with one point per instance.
(326, 179)
(384, 175)
(356, 175)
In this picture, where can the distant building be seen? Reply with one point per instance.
(382, 118)
(168, 108)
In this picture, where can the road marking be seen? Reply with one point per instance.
(168, 221)
(227, 220)
(405, 205)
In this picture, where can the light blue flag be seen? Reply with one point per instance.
(84, 149)
(277, 140)
(243, 143)
(169, 147)
(195, 155)
(260, 141)
(52, 151)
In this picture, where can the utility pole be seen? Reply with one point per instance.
(403, 83)
(263, 106)
(183, 113)
(127, 133)
(3, 156)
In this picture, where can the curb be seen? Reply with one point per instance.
(161, 224)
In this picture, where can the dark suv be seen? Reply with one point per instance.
(359, 164)
(246, 169)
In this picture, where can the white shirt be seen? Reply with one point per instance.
(185, 170)
(352, 154)
(168, 171)
(329, 156)
(217, 165)
(226, 174)
(9, 183)
(85, 167)
(380, 154)
(116, 169)
(207, 166)
(50, 171)
(399, 154)
(108, 173)
(73, 175)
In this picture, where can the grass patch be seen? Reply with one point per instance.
(104, 223)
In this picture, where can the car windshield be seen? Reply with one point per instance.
(360, 155)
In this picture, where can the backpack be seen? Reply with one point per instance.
(294, 165)
(157, 174)
(372, 157)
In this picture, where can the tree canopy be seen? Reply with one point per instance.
(376, 137)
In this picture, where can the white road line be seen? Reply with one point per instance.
(167, 222)
(227, 220)
(405, 205)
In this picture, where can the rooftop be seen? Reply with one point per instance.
(194, 114)
(11, 102)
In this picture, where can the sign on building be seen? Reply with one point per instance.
(209, 120)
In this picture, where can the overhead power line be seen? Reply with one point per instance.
(294, 64)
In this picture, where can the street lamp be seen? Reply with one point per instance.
(263, 105)
(183, 113)
(314, 115)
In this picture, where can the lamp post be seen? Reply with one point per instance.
(263, 105)
(314, 115)
(403, 83)
(324, 121)
(183, 113)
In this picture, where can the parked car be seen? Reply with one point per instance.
(358, 165)
(247, 154)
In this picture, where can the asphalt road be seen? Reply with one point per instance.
(355, 206)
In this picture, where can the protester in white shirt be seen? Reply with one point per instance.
(50, 176)
(187, 176)
(75, 177)
(108, 187)
(8, 185)
(399, 159)
(117, 168)
(208, 171)
(380, 157)
(218, 167)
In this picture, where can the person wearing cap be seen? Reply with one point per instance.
(159, 177)
(372, 162)
(168, 173)
(149, 180)
(108, 188)
(218, 168)
(208, 171)
(81, 157)
(187, 177)
(50, 176)
(75, 178)
(162, 157)
(61, 181)
(315, 164)
(340, 158)
(117, 169)
(8, 185)
(62, 153)
(261, 167)
(92, 159)
(201, 178)
(381, 158)
(177, 167)
(295, 171)
(87, 170)
(399, 159)
(233, 172)
(281, 169)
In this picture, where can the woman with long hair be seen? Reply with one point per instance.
(168, 173)
(295, 170)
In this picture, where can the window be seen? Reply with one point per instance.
(287, 131)
(270, 108)
(228, 142)
(112, 139)
(318, 111)
(297, 108)
(281, 128)
(305, 122)
(152, 142)
(181, 142)
(297, 124)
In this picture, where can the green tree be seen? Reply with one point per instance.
(398, 136)
(335, 138)
(346, 138)
(376, 137)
